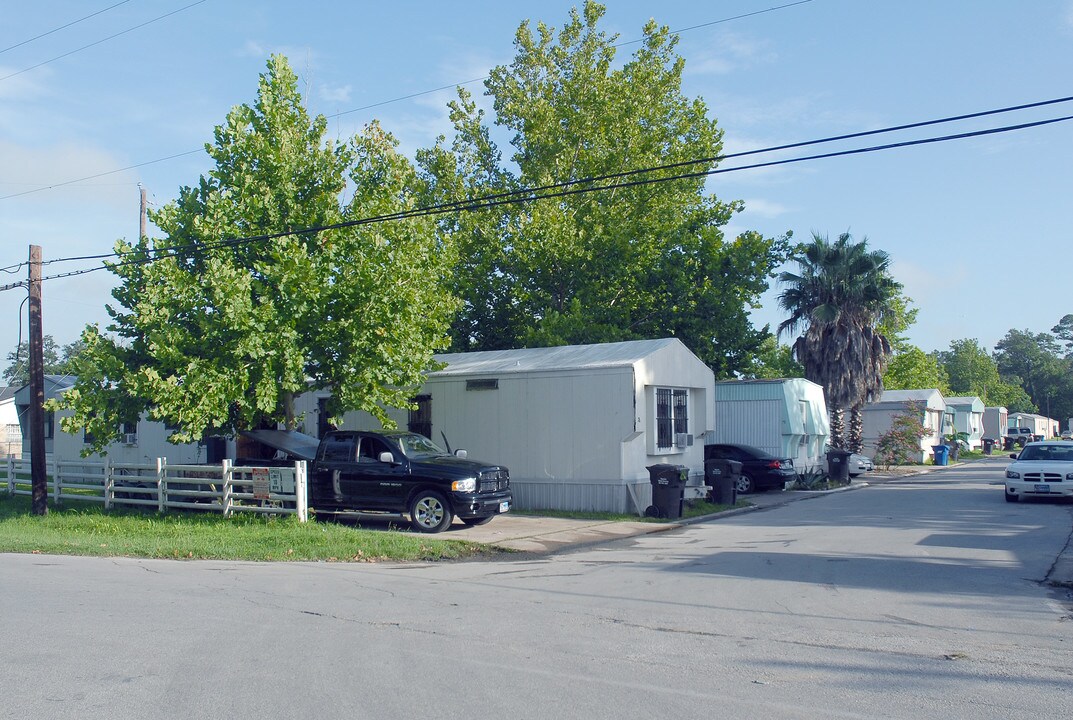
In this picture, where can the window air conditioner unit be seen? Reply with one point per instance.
(130, 439)
(683, 440)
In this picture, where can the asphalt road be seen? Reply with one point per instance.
(918, 598)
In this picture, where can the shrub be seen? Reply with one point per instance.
(900, 444)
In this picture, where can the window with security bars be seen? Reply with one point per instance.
(672, 416)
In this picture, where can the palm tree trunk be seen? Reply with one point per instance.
(838, 427)
(856, 429)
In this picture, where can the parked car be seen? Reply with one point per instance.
(1041, 469)
(1067, 434)
(760, 470)
(860, 464)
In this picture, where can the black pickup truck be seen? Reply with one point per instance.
(403, 472)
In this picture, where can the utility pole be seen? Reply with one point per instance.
(143, 212)
(38, 474)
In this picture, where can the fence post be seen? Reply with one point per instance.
(226, 475)
(161, 485)
(301, 501)
(11, 475)
(109, 485)
(57, 483)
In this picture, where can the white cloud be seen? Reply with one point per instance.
(34, 166)
(252, 49)
(336, 93)
(729, 52)
(764, 208)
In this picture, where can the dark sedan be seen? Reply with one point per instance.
(760, 470)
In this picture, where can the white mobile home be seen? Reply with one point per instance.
(54, 385)
(10, 429)
(785, 417)
(576, 425)
(928, 405)
(1042, 426)
(996, 421)
(142, 442)
(968, 418)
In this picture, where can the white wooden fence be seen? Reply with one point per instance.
(223, 488)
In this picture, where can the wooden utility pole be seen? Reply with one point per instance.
(38, 473)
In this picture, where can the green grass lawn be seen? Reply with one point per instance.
(75, 529)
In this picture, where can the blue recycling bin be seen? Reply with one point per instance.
(942, 454)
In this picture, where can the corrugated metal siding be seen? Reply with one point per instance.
(582, 496)
(750, 390)
(756, 422)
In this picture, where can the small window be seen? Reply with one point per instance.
(371, 448)
(489, 384)
(338, 448)
(672, 417)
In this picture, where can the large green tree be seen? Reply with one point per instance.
(840, 293)
(910, 368)
(1036, 359)
(56, 360)
(1063, 331)
(971, 370)
(636, 261)
(240, 306)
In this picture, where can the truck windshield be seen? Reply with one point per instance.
(416, 446)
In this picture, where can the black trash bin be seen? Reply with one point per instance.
(668, 489)
(988, 445)
(722, 477)
(838, 465)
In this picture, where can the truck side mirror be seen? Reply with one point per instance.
(461, 453)
(386, 457)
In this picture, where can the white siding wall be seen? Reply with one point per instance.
(151, 443)
(995, 422)
(879, 419)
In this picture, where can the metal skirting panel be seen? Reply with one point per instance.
(582, 496)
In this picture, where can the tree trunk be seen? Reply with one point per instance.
(856, 429)
(288, 411)
(838, 428)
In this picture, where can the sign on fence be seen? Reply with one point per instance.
(261, 488)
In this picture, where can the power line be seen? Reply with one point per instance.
(98, 42)
(564, 189)
(673, 166)
(93, 177)
(364, 107)
(63, 27)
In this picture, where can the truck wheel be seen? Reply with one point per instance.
(429, 512)
(470, 522)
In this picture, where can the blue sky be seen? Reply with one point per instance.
(978, 229)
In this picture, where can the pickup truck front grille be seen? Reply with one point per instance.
(493, 481)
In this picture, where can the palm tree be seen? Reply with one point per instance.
(840, 293)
